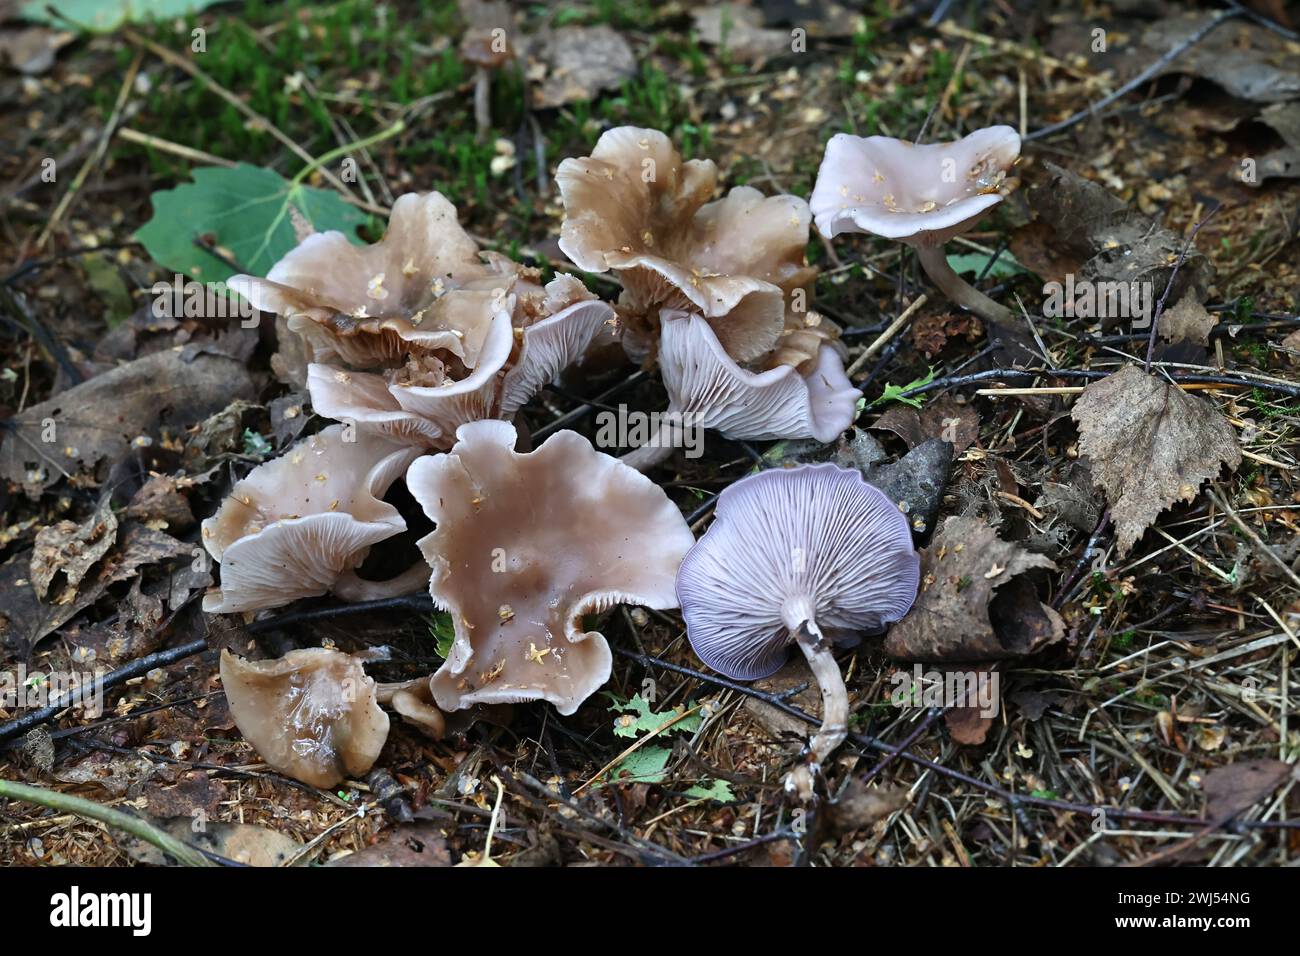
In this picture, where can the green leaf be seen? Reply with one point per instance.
(894, 393)
(646, 765)
(106, 280)
(640, 718)
(102, 16)
(443, 631)
(244, 211)
(255, 446)
(719, 790)
(1004, 267)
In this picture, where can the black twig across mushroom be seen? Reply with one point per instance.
(813, 556)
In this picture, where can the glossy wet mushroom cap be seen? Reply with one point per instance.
(311, 715)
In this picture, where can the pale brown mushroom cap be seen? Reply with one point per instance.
(703, 381)
(922, 195)
(634, 206)
(294, 525)
(525, 545)
(365, 305)
(312, 715)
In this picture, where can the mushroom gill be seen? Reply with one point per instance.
(297, 526)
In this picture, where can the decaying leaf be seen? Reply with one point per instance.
(959, 425)
(582, 61)
(957, 615)
(740, 32)
(99, 420)
(1150, 444)
(1117, 246)
(1233, 788)
(1284, 162)
(1073, 501)
(1247, 60)
(73, 549)
(25, 620)
(411, 844)
(1187, 321)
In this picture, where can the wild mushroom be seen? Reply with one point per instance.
(922, 195)
(414, 335)
(311, 715)
(810, 555)
(707, 389)
(298, 526)
(485, 46)
(636, 207)
(527, 544)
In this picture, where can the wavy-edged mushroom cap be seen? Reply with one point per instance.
(635, 206)
(367, 304)
(524, 546)
(919, 194)
(298, 523)
(703, 381)
(311, 715)
(811, 543)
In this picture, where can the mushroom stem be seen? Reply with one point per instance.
(482, 100)
(350, 587)
(798, 615)
(657, 449)
(935, 264)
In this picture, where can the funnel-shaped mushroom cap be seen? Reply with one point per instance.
(364, 303)
(922, 195)
(525, 545)
(703, 381)
(816, 538)
(311, 715)
(634, 206)
(296, 524)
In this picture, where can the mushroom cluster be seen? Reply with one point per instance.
(717, 290)
(424, 348)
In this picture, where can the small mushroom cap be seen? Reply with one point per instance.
(786, 541)
(633, 205)
(703, 381)
(923, 195)
(295, 524)
(311, 715)
(524, 546)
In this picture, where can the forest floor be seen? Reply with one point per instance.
(1145, 716)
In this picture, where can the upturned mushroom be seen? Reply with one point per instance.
(707, 388)
(634, 206)
(312, 714)
(298, 526)
(525, 545)
(420, 332)
(812, 555)
(922, 195)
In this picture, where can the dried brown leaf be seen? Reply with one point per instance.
(1150, 444)
(1188, 321)
(1233, 788)
(957, 616)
